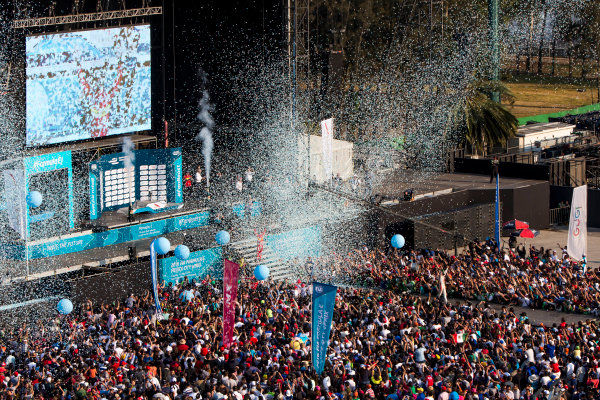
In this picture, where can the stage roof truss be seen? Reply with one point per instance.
(89, 17)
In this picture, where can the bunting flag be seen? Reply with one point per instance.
(577, 240)
(323, 301)
(154, 272)
(230, 286)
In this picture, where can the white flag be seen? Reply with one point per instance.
(327, 144)
(577, 241)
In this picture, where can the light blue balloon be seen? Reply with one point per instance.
(182, 252)
(34, 199)
(398, 241)
(65, 306)
(162, 245)
(222, 238)
(261, 272)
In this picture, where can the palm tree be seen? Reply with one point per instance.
(484, 121)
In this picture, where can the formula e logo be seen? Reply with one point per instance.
(177, 153)
(113, 161)
(53, 162)
(94, 167)
(319, 289)
(577, 217)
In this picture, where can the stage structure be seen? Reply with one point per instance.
(153, 183)
(52, 176)
(88, 17)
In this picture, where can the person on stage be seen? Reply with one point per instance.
(494, 172)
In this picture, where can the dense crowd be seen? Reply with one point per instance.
(386, 341)
(538, 278)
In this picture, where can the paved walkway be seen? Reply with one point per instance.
(548, 317)
(557, 237)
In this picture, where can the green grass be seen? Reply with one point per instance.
(543, 98)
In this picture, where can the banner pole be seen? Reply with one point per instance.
(497, 219)
(26, 230)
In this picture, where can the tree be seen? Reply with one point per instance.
(484, 121)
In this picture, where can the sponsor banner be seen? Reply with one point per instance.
(114, 236)
(199, 264)
(178, 174)
(47, 162)
(298, 243)
(144, 231)
(230, 287)
(192, 221)
(323, 301)
(577, 240)
(94, 180)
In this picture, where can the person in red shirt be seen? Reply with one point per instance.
(181, 347)
(187, 183)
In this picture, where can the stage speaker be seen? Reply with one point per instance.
(132, 250)
(99, 228)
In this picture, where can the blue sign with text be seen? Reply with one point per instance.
(101, 239)
(323, 302)
(199, 264)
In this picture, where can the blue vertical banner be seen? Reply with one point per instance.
(177, 174)
(323, 301)
(497, 218)
(154, 272)
(94, 207)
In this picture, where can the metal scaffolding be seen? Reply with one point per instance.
(426, 17)
(89, 17)
(298, 49)
(5, 74)
(297, 25)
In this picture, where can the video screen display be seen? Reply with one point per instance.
(87, 84)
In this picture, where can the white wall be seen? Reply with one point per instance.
(342, 158)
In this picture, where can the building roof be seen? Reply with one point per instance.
(545, 127)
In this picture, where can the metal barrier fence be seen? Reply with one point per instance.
(560, 216)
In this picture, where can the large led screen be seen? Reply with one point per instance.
(87, 84)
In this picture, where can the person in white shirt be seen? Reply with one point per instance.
(199, 177)
(239, 184)
(249, 174)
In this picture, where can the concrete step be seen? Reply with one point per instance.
(278, 269)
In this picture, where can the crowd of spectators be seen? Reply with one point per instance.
(398, 338)
(538, 278)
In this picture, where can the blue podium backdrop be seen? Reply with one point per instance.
(200, 263)
(156, 176)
